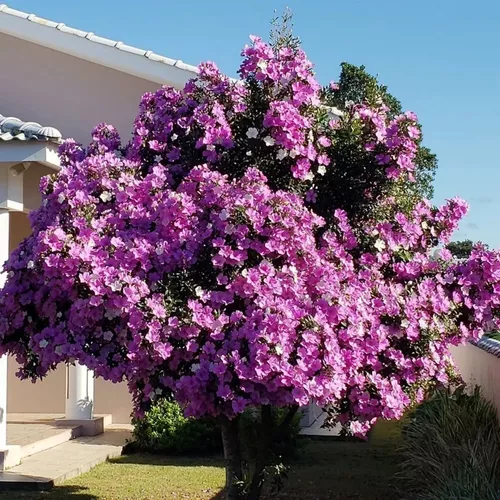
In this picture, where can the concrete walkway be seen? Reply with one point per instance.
(65, 461)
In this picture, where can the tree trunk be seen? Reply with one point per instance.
(232, 456)
(235, 486)
(264, 446)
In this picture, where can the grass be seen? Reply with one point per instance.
(324, 470)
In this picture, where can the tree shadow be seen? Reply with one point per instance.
(142, 458)
(58, 493)
(219, 496)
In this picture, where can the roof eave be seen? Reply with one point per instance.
(43, 152)
(155, 69)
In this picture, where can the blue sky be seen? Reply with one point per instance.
(441, 58)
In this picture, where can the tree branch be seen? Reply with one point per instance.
(288, 419)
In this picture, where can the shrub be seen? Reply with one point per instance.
(451, 447)
(165, 429)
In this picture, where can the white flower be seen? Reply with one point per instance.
(108, 335)
(293, 153)
(309, 176)
(30, 265)
(195, 367)
(224, 214)
(423, 323)
(158, 391)
(282, 153)
(321, 170)
(59, 314)
(425, 225)
(252, 133)
(269, 141)
(380, 245)
(279, 349)
(43, 343)
(158, 158)
(249, 153)
(61, 198)
(210, 147)
(199, 291)
(58, 349)
(106, 196)
(116, 286)
(159, 250)
(174, 137)
(262, 64)
(405, 323)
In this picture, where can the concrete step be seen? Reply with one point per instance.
(32, 434)
(48, 468)
(50, 438)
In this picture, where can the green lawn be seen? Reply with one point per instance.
(324, 470)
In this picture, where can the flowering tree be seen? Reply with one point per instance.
(231, 255)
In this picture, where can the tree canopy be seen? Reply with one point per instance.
(245, 250)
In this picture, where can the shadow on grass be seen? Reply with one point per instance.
(58, 493)
(172, 460)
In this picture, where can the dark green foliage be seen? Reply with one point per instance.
(354, 182)
(460, 249)
(451, 448)
(165, 429)
(357, 86)
(493, 335)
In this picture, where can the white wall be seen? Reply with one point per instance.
(49, 395)
(72, 95)
(479, 367)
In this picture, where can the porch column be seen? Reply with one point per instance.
(79, 393)
(4, 255)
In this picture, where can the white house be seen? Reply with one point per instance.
(58, 82)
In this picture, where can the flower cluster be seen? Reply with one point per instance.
(395, 140)
(193, 261)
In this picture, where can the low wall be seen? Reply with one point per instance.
(479, 367)
(49, 395)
